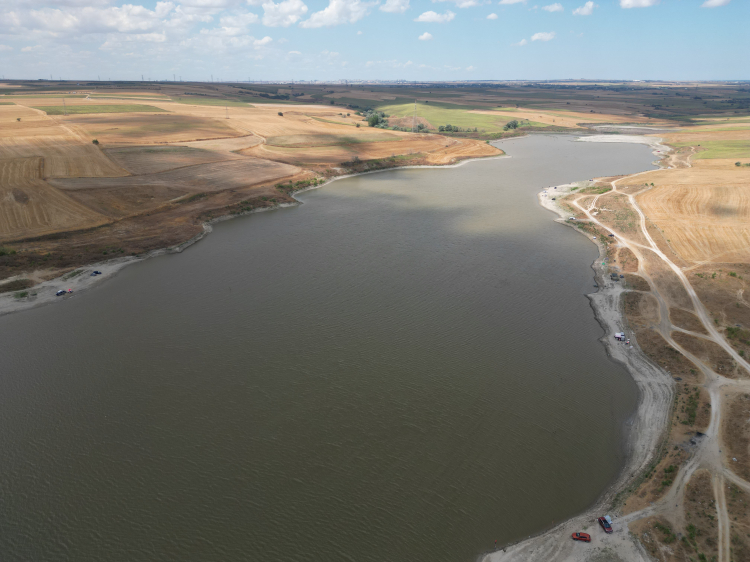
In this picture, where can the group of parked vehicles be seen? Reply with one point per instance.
(605, 523)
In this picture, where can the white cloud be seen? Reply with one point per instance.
(284, 13)
(425, 36)
(338, 12)
(262, 42)
(294, 53)
(714, 3)
(543, 36)
(434, 17)
(586, 10)
(638, 3)
(359, 33)
(492, 17)
(521, 43)
(395, 6)
(512, 2)
(31, 49)
(465, 3)
(469, 68)
(5, 48)
(238, 21)
(556, 7)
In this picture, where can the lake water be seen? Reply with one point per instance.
(403, 368)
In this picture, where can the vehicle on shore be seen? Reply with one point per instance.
(606, 524)
(583, 537)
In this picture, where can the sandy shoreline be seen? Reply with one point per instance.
(646, 428)
(44, 293)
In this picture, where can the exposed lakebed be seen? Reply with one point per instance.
(403, 368)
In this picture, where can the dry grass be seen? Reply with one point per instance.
(118, 128)
(140, 160)
(659, 539)
(703, 211)
(735, 432)
(214, 176)
(711, 354)
(31, 207)
(700, 513)
(686, 320)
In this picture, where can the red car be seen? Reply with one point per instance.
(605, 525)
(581, 537)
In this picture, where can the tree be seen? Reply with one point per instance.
(373, 120)
(95, 141)
(281, 114)
(511, 125)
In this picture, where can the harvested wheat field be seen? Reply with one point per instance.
(173, 168)
(29, 206)
(148, 128)
(140, 160)
(703, 211)
(213, 176)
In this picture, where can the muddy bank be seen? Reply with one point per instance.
(81, 279)
(646, 429)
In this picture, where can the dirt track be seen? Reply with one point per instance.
(656, 386)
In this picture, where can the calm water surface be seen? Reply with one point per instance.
(403, 368)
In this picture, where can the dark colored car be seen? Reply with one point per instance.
(61, 292)
(585, 537)
(605, 525)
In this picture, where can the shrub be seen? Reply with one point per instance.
(95, 141)
(281, 114)
(358, 125)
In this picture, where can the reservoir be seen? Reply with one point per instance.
(403, 368)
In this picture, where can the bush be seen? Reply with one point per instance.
(373, 120)
(358, 125)
(511, 125)
(95, 141)
(281, 114)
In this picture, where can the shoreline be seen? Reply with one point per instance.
(44, 293)
(645, 431)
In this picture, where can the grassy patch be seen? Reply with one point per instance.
(7, 103)
(84, 109)
(438, 115)
(722, 149)
(308, 141)
(199, 100)
(17, 285)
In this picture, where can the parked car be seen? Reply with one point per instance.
(605, 524)
(61, 292)
(585, 537)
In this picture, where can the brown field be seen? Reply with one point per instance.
(154, 178)
(148, 128)
(703, 211)
(213, 176)
(31, 207)
(153, 159)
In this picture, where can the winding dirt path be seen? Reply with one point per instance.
(555, 545)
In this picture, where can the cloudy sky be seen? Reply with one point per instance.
(376, 39)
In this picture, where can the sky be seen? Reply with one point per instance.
(230, 40)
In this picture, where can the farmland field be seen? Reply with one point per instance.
(84, 109)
